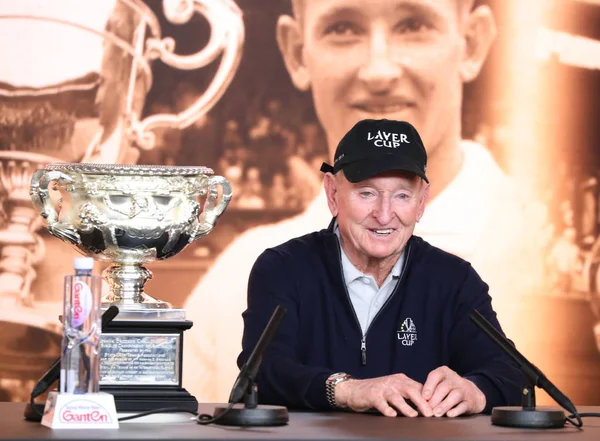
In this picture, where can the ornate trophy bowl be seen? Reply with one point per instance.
(129, 215)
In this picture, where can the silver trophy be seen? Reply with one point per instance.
(131, 215)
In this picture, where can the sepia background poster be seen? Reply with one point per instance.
(524, 209)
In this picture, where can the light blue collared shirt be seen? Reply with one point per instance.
(366, 297)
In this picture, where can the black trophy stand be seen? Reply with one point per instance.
(129, 398)
(143, 398)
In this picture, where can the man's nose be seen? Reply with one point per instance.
(379, 71)
(383, 211)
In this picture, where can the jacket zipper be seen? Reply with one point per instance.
(363, 341)
(363, 349)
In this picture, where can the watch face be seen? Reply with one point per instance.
(335, 378)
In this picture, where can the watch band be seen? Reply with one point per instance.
(332, 381)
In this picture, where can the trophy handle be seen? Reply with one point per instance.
(227, 37)
(213, 207)
(42, 202)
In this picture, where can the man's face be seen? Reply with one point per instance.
(377, 216)
(394, 59)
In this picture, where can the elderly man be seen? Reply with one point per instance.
(376, 315)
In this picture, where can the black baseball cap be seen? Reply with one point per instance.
(374, 146)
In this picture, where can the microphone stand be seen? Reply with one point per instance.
(526, 415)
(251, 413)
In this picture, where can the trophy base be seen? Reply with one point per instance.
(145, 314)
(146, 302)
(150, 398)
(141, 360)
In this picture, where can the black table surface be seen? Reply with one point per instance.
(303, 426)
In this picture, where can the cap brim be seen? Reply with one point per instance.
(358, 171)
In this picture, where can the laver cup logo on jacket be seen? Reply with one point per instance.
(408, 332)
(387, 139)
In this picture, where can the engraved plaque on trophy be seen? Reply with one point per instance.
(140, 359)
(130, 215)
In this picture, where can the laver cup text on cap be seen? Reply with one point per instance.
(386, 139)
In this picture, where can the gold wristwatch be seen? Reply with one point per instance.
(332, 381)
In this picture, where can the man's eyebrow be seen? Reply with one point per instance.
(345, 12)
(368, 183)
(420, 7)
(338, 13)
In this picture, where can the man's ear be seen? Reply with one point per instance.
(479, 30)
(291, 45)
(331, 191)
(423, 201)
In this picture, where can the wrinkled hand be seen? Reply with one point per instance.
(382, 393)
(450, 394)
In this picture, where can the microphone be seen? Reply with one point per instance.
(527, 415)
(53, 372)
(252, 414)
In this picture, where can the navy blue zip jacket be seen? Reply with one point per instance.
(423, 325)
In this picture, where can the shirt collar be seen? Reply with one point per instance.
(351, 273)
